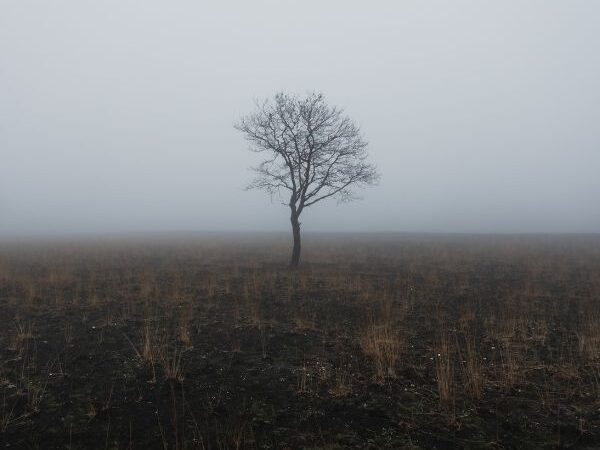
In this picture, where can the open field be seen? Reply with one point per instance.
(377, 341)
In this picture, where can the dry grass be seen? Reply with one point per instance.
(184, 330)
(444, 370)
(170, 359)
(304, 324)
(148, 352)
(68, 333)
(342, 385)
(450, 329)
(588, 337)
(471, 368)
(382, 343)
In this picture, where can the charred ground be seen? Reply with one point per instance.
(381, 341)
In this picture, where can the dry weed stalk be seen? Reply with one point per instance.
(304, 380)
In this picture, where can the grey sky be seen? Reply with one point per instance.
(117, 115)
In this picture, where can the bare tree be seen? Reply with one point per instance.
(314, 152)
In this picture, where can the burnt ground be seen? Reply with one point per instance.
(383, 341)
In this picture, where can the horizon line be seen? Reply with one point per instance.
(181, 232)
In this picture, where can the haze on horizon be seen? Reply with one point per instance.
(116, 116)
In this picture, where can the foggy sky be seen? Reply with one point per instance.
(117, 115)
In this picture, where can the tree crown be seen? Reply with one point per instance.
(315, 151)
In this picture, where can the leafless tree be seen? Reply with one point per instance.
(314, 152)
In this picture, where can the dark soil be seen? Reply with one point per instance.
(245, 353)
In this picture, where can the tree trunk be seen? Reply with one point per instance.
(296, 232)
